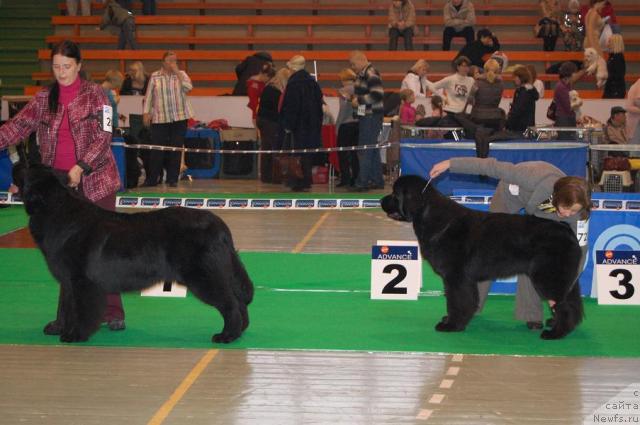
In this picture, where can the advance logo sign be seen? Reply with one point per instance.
(618, 277)
(396, 272)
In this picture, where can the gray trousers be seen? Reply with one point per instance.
(72, 7)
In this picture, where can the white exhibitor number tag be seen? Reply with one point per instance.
(362, 110)
(582, 232)
(396, 272)
(618, 277)
(165, 289)
(107, 118)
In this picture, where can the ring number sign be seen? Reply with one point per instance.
(396, 272)
(618, 274)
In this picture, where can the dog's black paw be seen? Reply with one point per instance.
(446, 326)
(549, 334)
(224, 338)
(73, 336)
(53, 328)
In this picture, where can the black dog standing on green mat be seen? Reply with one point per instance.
(465, 247)
(92, 252)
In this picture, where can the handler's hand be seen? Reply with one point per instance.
(13, 189)
(75, 174)
(439, 168)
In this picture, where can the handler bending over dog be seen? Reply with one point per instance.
(541, 189)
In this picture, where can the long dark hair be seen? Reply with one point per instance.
(71, 50)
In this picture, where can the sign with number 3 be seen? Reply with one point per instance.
(618, 274)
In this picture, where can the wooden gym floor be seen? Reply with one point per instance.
(93, 385)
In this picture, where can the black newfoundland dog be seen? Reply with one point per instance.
(465, 247)
(92, 252)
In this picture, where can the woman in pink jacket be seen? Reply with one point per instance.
(67, 118)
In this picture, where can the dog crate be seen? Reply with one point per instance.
(239, 166)
(616, 181)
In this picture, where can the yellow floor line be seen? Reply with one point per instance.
(300, 246)
(184, 386)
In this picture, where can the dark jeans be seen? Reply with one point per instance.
(406, 34)
(549, 44)
(349, 166)
(128, 35)
(269, 133)
(370, 172)
(148, 7)
(167, 134)
(566, 122)
(450, 33)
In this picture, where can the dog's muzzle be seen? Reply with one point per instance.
(391, 206)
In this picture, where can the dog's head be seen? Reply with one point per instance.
(590, 55)
(406, 200)
(37, 184)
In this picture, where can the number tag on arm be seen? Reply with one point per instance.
(107, 118)
(582, 232)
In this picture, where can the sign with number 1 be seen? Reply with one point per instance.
(396, 272)
(618, 274)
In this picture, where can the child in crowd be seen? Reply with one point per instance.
(436, 106)
(407, 111)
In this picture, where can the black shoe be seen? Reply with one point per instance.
(173, 184)
(342, 184)
(376, 186)
(534, 325)
(358, 189)
(116, 325)
(147, 184)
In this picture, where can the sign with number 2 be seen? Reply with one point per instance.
(396, 272)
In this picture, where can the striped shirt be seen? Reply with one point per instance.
(368, 89)
(166, 97)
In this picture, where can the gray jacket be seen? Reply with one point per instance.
(458, 19)
(485, 98)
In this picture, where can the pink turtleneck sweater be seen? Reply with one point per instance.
(65, 148)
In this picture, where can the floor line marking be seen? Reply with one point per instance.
(424, 414)
(453, 371)
(446, 383)
(300, 246)
(436, 399)
(457, 358)
(182, 389)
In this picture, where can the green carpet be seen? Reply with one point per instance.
(294, 319)
(12, 218)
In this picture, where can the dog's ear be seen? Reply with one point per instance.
(18, 174)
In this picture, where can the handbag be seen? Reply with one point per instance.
(551, 111)
(289, 165)
(616, 163)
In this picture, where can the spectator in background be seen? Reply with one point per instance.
(522, 113)
(416, 79)
(166, 109)
(573, 27)
(246, 69)
(268, 121)
(565, 115)
(615, 129)
(476, 51)
(485, 96)
(368, 102)
(615, 87)
(347, 129)
(459, 19)
(112, 80)
(593, 25)
(456, 86)
(402, 22)
(407, 110)
(116, 16)
(72, 139)
(301, 116)
(549, 24)
(72, 7)
(149, 7)
(255, 86)
(136, 81)
(538, 84)
(632, 105)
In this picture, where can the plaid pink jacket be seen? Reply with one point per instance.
(93, 146)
